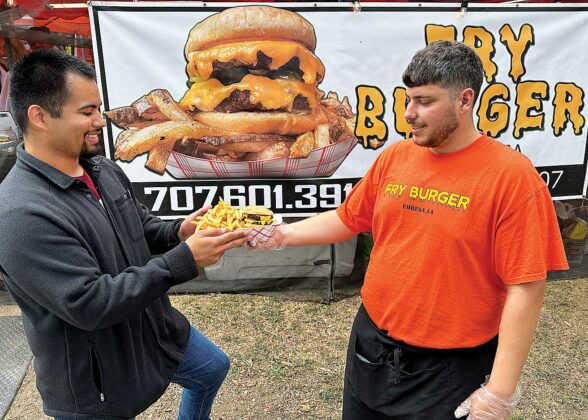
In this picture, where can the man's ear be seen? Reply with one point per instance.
(466, 99)
(37, 118)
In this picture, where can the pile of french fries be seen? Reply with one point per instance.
(223, 215)
(155, 124)
(340, 125)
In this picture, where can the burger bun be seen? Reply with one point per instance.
(283, 123)
(250, 22)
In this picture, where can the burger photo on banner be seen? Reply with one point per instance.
(253, 107)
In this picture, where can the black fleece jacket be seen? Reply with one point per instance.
(105, 338)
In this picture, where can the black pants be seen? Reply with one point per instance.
(389, 379)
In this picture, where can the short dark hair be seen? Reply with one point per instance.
(449, 64)
(40, 78)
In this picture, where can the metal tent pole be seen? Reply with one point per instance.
(331, 284)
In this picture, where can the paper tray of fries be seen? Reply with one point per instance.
(320, 162)
(260, 222)
(174, 141)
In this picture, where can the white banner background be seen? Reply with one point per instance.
(139, 47)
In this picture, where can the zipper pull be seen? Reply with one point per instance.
(101, 397)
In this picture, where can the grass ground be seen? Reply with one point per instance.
(287, 358)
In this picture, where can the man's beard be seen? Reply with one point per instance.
(441, 134)
(95, 150)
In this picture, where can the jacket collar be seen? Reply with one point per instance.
(92, 166)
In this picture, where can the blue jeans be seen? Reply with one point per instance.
(201, 374)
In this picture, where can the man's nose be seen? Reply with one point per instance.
(100, 121)
(410, 112)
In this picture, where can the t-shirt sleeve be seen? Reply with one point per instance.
(528, 242)
(357, 210)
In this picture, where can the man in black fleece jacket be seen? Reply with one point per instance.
(77, 254)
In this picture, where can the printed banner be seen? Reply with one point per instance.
(288, 107)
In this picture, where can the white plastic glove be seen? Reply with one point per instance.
(277, 239)
(484, 405)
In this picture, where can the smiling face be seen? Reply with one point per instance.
(432, 113)
(76, 132)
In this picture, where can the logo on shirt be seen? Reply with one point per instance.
(428, 195)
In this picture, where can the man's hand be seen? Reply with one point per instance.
(517, 326)
(210, 244)
(187, 228)
(482, 404)
(277, 241)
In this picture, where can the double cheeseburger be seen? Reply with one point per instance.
(252, 70)
(252, 95)
(257, 215)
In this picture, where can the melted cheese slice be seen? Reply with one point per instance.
(263, 220)
(270, 94)
(200, 62)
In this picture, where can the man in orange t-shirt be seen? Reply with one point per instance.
(464, 234)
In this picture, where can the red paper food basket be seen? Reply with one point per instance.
(263, 233)
(320, 162)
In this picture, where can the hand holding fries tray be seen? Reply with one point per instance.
(253, 108)
(260, 222)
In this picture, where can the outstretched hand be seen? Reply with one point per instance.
(209, 245)
(187, 228)
(277, 240)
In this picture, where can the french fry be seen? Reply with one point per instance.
(302, 146)
(145, 139)
(351, 122)
(346, 104)
(146, 110)
(222, 215)
(158, 157)
(277, 150)
(375, 143)
(166, 105)
(155, 107)
(124, 116)
(222, 158)
(321, 136)
(122, 138)
(341, 108)
(338, 129)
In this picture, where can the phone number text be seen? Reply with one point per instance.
(281, 197)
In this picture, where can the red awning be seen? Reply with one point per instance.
(76, 21)
(36, 13)
(38, 10)
(78, 26)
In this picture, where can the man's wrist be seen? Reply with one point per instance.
(506, 392)
(179, 233)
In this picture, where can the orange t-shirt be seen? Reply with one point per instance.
(450, 232)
